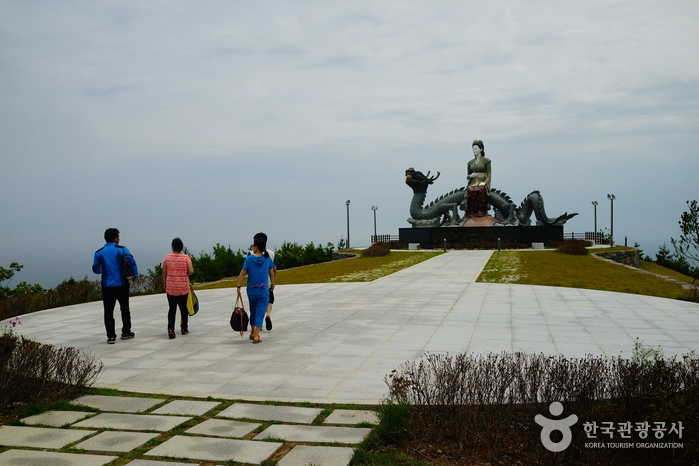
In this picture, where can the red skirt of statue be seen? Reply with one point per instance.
(477, 204)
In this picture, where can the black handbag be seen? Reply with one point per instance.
(239, 318)
(127, 264)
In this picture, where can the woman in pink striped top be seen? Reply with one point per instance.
(177, 268)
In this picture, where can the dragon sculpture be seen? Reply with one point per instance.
(444, 211)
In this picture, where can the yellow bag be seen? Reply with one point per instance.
(192, 302)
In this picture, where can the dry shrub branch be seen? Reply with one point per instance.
(376, 250)
(484, 405)
(32, 372)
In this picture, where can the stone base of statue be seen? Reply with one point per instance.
(480, 221)
(458, 237)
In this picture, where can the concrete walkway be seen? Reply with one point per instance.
(334, 343)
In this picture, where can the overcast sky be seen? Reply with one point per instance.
(213, 120)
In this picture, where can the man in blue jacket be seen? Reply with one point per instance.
(115, 286)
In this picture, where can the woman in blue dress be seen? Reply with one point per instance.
(258, 267)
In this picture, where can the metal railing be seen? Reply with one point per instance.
(595, 236)
(383, 238)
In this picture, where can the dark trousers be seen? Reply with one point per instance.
(110, 296)
(174, 302)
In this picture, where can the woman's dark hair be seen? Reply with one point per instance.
(111, 234)
(479, 143)
(261, 245)
(177, 245)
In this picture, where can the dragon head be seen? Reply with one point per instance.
(418, 181)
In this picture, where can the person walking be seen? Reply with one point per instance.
(108, 261)
(177, 268)
(258, 267)
(268, 316)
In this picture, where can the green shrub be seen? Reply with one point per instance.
(221, 263)
(574, 247)
(292, 255)
(558, 244)
(6, 275)
(376, 250)
(69, 291)
(394, 421)
(675, 262)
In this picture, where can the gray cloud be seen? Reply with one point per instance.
(215, 120)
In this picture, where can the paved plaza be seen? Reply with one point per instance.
(334, 343)
(331, 343)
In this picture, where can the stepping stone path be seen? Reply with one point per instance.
(120, 442)
(118, 404)
(271, 413)
(244, 432)
(314, 433)
(56, 418)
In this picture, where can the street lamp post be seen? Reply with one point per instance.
(348, 230)
(611, 198)
(375, 208)
(594, 203)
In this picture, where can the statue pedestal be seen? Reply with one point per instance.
(456, 237)
(479, 221)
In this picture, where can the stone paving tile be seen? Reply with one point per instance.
(157, 463)
(40, 437)
(303, 455)
(133, 422)
(117, 442)
(187, 407)
(221, 428)
(320, 434)
(57, 418)
(48, 458)
(215, 449)
(351, 417)
(120, 404)
(271, 413)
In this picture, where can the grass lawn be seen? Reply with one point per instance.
(549, 268)
(360, 269)
(660, 270)
(552, 268)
